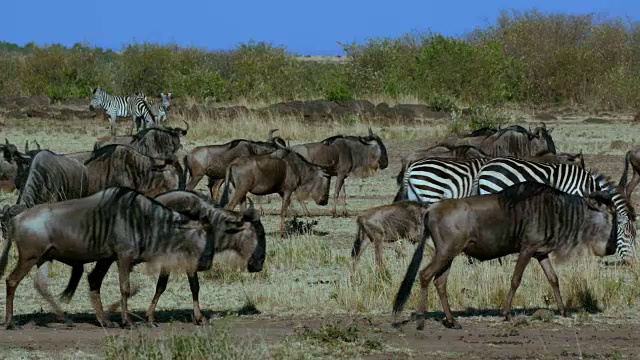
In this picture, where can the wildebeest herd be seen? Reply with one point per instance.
(131, 200)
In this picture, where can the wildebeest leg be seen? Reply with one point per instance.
(160, 288)
(18, 273)
(357, 250)
(338, 188)
(198, 319)
(40, 283)
(303, 205)
(438, 265)
(545, 263)
(194, 179)
(521, 264)
(441, 286)
(95, 278)
(124, 270)
(74, 280)
(112, 124)
(286, 200)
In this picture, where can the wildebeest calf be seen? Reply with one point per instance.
(115, 225)
(388, 223)
(530, 219)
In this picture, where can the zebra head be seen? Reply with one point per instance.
(97, 98)
(166, 100)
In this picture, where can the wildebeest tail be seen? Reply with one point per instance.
(227, 183)
(400, 180)
(4, 259)
(358, 243)
(403, 169)
(412, 271)
(187, 168)
(627, 160)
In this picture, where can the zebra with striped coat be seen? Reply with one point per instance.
(159, 110)
(501, 173)
(143, 117)
(120, 106)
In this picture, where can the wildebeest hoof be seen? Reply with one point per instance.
(126, 325)
(199, 321)
(10, 326)
(420, 325)
(507, 317)
(451, 325)
(68, 323)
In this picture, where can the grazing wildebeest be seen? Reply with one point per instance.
(160, 142)
(122, 165)
(251, 249)
(631, 158)
(346, 155)
(387, 223)
(115, 225)
(281, 172)
(213, 160)
(528, 219)
(513, 140)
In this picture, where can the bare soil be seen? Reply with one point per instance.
(480, 337)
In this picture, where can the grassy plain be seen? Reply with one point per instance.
(306, 277)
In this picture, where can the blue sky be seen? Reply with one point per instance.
(305, 27)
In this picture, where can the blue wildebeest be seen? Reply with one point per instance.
(530, 219)
(123, 226)
(212, 160)
(500, 173)
(158, 142)
(281, 172)
(387, 223)
(346, 155)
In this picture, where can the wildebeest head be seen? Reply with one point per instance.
(241, 232)
(9, 151)
(542, 139)
(603, 241)
(377, 153)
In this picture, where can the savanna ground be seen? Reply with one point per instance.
(304, 303)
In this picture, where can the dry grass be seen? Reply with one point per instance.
(308, 274)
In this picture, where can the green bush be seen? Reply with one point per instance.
(527, 57)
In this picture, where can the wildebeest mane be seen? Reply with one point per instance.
(104, 152)
(485, 131)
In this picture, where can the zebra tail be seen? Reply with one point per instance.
(412, 271)
(627, 160)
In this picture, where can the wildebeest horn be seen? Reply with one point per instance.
(370, 131)
(271, 131)
(26, 146)
(251, 205)
(38, 145)
(6, 141)
(187, 129)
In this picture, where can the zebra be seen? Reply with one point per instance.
(141, 111)
(430, 180)
(501, 173)
(159, 110)
(133, 105)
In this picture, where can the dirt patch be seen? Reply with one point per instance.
(486, 338)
